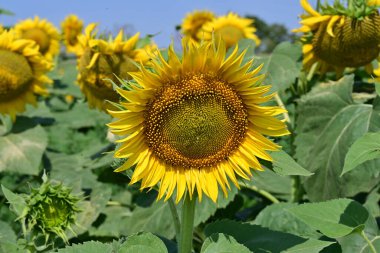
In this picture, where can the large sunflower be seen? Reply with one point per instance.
(340, 37)
(43, 33)
(194, 21)
(196, 123)
(22, 70)
(231, 28)
(101, 61)
(71, 27)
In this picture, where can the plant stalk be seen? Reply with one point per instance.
(370, 244)
(177, 223)
(187, 225)
(263, 193)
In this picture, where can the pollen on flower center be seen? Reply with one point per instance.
(15, 74)
(196, 122)
(39, 36)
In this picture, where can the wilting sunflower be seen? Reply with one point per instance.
(196, 123)
(101, 61)
(43, 33)
(22, 69)
(231, 28)
(194, 21)
(71, 27)
(338, 37)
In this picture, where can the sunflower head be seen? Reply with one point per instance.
(230, 28)
(22, 69)
(195, 123)
(71, 27)
(340, 36)
(100, 63)
(194, 21)
(44, 33)
(51, 209)
(1, 28)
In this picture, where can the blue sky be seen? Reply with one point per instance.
(149, 17)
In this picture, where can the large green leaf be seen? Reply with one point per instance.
(22, 152)
(281, 66)
(277, 217)
(8, 239)
(334, 218)
(285, 165)
(221, 243)
(88, 247)
(259, 239)
(328, 123)
(365, 148)
(143, 243)
(372, 202)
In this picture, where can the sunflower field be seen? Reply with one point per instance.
(237, 137)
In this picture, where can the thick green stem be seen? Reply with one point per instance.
(297, 190)
(177, 223)
(187, 225)
(370, 244)
(263, 193)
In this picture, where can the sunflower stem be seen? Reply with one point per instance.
(297, 190)
(187, 225)
(263, 193)
(370, 244)
(177, 223)
(318, 5)
(281, 104)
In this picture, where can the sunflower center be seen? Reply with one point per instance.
(356, 42)
(231, 34)
(195, 122)
(39, 36)
(15, 74)
(55, 213)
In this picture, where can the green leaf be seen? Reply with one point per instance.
(6, 12)
(8, 239)
(88, 247)
(328, 123)
(143, 243)
(281, 66)
(259, 239)
(334, 218)
(277, 217)
(377, 87)
(376, 244)
(365, 148)
(156, 219)
(285, 165)
(22, 152)
(221, 243)
(16, 201)
(372, 202)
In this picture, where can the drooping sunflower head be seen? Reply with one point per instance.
(51, 209)
(194, 21)
(22, 73)
(230, 28)
(195, 123)
(340, 36)
(71, 27)
(100, 63)
(44, 33)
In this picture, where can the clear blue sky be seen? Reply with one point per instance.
(148, 16)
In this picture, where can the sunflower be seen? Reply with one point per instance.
(1, 28)
(71, 27)
(22, 70)
(340, 37)
(231, 28)
(43, 33)
(193, 124)
(194, 21)
(101, 61)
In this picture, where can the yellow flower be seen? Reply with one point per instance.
(43, 33)
(22, 70)
(373, 2)
(1, 28)
(231, 28)
(195, 124)
(334, 41)
(72, 26)
(101, 61)
(194, 21)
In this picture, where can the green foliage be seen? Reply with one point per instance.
(221, 243)
(22, 152)
(284, 165)
(365, 148)
(329, 122)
